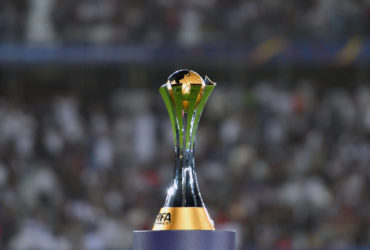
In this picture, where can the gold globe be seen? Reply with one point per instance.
(186, 79)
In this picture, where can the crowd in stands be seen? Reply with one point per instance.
(285, 166)
(183, 23)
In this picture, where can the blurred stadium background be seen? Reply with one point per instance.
(283, 148)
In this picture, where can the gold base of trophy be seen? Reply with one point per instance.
(183, 218)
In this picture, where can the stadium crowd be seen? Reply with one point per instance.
(287, 167)
(184, 23)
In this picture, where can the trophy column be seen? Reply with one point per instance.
(183, 222)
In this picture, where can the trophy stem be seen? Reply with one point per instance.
(184, 191)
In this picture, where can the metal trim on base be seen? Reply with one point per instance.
(183, 218)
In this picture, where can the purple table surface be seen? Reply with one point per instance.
(184, 240)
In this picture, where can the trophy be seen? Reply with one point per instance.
(183, 222)
(185, 95)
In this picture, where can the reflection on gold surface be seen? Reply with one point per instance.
(185, 78)
(183, 218)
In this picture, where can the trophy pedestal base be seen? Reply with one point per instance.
(184, 240)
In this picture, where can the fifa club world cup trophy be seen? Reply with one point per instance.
(185, 95)
(183, 223)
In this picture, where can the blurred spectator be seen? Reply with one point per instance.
(40, 28)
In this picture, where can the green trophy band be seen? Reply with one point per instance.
(185, 95)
